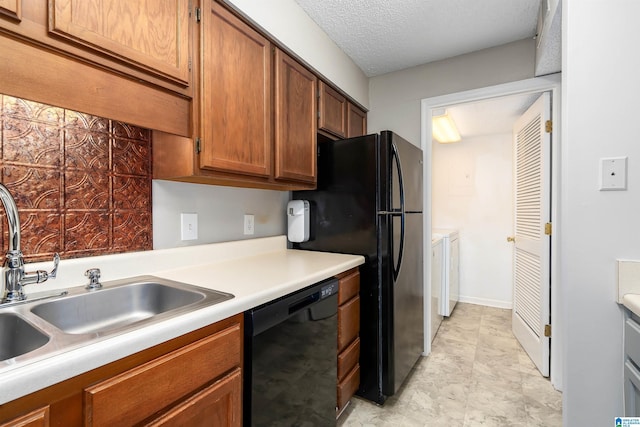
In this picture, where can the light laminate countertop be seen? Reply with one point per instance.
(254, 271)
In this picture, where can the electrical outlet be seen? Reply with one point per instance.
(189, 226)
(248, 224)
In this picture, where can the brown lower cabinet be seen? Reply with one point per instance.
(348, 336)
(193, 380)
(36, 418)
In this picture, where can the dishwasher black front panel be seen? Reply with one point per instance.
(290, 359)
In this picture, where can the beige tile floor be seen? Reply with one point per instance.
(477, 375)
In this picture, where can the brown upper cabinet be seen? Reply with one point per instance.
(149, 34)
(228, 104)
(256, 120)
(356, 121)
(147, 40)
(235, 114)
(11, 9)
(124, 60)
(295, 138)
(333, 111)
(337, 116)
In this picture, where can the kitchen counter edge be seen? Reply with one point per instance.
(255, 272)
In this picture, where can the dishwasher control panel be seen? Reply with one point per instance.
(329, 289)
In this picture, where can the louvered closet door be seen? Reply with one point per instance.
(531, 303)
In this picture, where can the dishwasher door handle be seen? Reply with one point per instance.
(303, 303)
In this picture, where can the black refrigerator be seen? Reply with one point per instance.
(369, 202)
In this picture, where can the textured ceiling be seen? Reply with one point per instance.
(382, 36)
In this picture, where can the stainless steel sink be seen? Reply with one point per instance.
(112, 308)
(34, 330)
(18, 337)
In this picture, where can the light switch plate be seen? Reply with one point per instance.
(189, 226)
(613, 173)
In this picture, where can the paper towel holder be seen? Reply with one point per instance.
(298, 220)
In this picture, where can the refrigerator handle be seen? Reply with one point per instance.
(396, 157)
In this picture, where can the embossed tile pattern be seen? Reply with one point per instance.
(476, 375)
(82, 183)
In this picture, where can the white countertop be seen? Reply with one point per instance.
(254, 271)
(628, 282)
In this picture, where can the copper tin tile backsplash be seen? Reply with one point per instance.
(82, 183)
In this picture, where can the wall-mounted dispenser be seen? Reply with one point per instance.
(298, 220)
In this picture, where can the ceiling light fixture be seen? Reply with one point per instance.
(444, 128)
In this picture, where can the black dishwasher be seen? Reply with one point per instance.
(290, 359)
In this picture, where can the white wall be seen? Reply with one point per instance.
(395, 98)
(288, 23)
(600, 119)
(472, 190)
(220, 212)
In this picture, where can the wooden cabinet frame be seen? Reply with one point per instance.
(65, 400)
(348, 336)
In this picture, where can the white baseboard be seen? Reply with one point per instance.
(487, 302)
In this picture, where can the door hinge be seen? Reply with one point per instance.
(547, 229)
(198, 148)
(548, 126)
(189, 64)
(547, 330)
(198, 14)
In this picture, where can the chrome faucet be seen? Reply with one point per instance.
(13, 269)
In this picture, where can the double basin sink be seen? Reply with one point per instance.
(31, 331)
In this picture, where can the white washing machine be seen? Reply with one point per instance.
(436, 284)
(450, 293)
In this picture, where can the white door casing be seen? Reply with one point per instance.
(532, 247)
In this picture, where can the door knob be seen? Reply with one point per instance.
(511, 239)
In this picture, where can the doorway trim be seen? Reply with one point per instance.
(550, 83)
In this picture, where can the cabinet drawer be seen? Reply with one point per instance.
(218, 405)
(632, 340)
(348, 358)
(154, 386)
(37, 418)
(349, 286)
(348, 322)
(348, 386)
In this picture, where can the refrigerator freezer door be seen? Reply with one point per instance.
(343, 208)
(410, 158)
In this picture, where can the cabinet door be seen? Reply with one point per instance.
(11, 8)
(137, 394)
(150, 34)
(37, 418)
(356, 121)
(220, 404)
(295, 136)
(333, 111)
(236, 95)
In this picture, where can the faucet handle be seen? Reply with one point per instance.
(56, 261)
(43, 275)
(40, 276)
